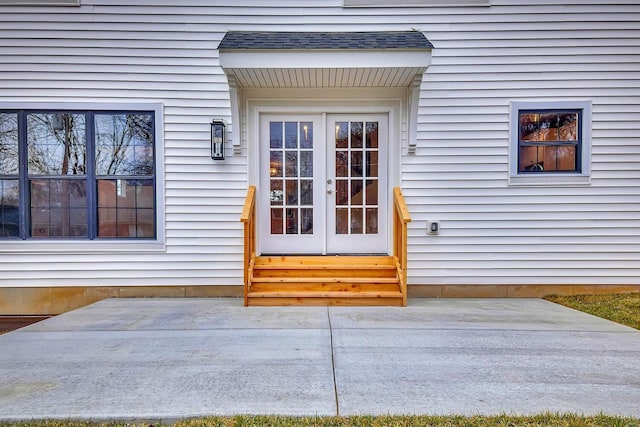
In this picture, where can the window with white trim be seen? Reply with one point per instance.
(68, 174)
(550, 141)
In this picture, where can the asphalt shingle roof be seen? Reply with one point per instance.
(235, 40)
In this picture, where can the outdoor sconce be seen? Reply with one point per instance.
(218, 137)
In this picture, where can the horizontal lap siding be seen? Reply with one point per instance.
(495, 234)
(157, 51)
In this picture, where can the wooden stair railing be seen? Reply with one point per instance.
(401, 218)
(248, 218)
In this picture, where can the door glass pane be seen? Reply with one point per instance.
(356, 192)
(291, 163)
(372, 163)
(342, 221)
(292, 221)
(356, 163)
(306, 192)
(342, 134)
(372, 221)
(357, 173)
(277, 193)
(356, 134)
(306, 135)
(292, 192)
(342, 164)
(306, 163)
(291, 135)
(372, 192)
(307, 221)
(275, 135)
(356, 221)
(291, 156)
(275, 163)
(277, 226)
(342, 192)
(372, 134)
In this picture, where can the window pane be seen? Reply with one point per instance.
(8, 144)
(529, 126)
(124, 144)
(126, 208)
(56, 144)
(548, 158)
(568, 123)
(9, 214)
(58, 208)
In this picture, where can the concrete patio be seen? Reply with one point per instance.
(162, 359)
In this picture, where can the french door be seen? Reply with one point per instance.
(323, 184)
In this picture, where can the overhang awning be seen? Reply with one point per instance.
(324, 59)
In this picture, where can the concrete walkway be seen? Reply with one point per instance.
(162, 359)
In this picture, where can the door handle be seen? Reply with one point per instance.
(329, 191)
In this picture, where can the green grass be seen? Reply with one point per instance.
(551, 420)
(620, 308)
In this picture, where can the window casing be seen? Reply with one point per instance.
(550, 142)
(77, 175)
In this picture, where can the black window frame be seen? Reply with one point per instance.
(578, 143)
(90, 178)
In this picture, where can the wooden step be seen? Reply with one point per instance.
(328, 267)
(324, 280)
(317, 285)
(325, 299)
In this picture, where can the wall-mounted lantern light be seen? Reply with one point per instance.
(218, 137)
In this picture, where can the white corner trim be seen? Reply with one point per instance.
(414, 100)
(236, 139)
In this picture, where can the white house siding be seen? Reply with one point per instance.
(117, 51)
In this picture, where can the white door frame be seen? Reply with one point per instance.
(391, 106)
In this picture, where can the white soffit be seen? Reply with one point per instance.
(354, 62)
